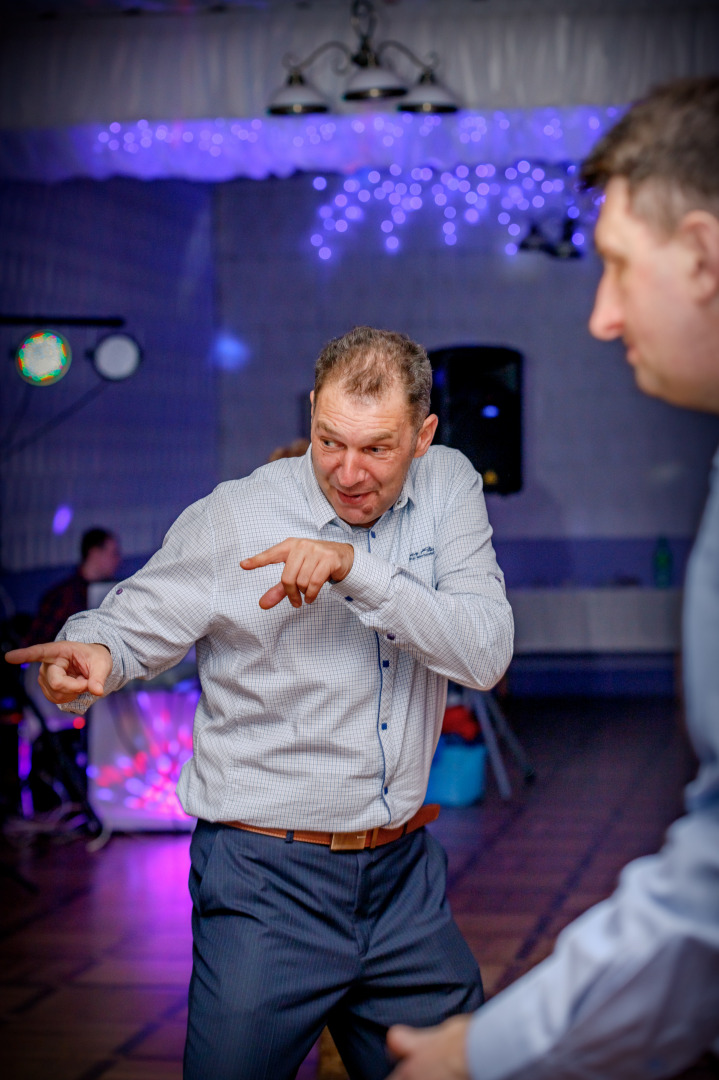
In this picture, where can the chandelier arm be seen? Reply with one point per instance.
(427, 66)
(295, 66)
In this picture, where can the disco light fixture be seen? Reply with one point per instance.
(43, 358)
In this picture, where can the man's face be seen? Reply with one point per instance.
(108, 559)
(362, 449)
(647, 297)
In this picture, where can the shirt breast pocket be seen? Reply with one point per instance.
(421, 565)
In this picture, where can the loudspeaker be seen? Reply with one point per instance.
(477, 395)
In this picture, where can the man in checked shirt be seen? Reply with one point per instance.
(318, 896)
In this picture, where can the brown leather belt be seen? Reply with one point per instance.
(348, 841)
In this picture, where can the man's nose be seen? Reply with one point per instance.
(606, 321)
(351, 469)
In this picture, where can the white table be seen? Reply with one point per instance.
(608, 620)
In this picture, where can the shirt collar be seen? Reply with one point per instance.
(321, 508)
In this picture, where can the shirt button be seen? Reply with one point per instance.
(385, 663)
(348, 598)
(117, 592)
(390, 637)
(373, 535)
(386, 790)
(384, 727)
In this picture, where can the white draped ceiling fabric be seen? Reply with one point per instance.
(185, 95)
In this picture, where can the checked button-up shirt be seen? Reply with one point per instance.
(327, 716)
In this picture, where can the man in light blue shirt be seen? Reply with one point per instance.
(632, 988)
(318, 897)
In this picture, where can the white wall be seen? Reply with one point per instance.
(601, 460)
(137, 454)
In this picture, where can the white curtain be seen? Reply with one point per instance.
(73, 71)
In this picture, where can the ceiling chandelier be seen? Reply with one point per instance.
(369, 79)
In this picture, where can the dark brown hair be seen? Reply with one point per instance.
(667, 147)
(94, 538)
(368, 362)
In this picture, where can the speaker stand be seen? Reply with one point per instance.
(495, 727)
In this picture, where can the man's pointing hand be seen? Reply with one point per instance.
(67, 668)
(308, 565)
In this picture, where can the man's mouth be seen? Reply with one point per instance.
(345, 497)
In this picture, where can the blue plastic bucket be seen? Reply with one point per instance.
(457, 774)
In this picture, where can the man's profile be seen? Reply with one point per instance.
(632, 988)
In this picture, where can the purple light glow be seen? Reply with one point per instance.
(513, 195)
(154, 722)
(228, 352)
(61, 520)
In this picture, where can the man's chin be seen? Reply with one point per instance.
(646, 380)
(355, 516)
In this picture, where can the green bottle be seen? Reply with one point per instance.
(662, 564)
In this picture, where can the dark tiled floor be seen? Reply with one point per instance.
(94, 962)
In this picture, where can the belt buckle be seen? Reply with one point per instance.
(348, 841)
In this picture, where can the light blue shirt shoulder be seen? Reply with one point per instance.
(632, 987)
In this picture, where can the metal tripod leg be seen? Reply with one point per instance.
(493, 723)
(68, 771)
(505, 732)
(490, 739)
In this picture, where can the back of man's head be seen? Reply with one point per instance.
(367, 363)
(93, 538)
(667, 149)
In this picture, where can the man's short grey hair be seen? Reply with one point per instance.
(666, 147)
(367, 363)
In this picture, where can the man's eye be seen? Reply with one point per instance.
(377, 450)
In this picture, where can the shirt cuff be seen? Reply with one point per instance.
(80, 705)
(367, 584)
(114, 680)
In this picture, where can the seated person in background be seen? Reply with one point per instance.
(632, 988)
(100, 557)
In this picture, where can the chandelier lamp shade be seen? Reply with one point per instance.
(369, 78)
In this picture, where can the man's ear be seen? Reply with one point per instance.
(312, 405)
(425, 435)
(699, 232)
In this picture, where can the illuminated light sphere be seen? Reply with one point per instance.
(116, 357)
(43, 358)
(61, 520)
